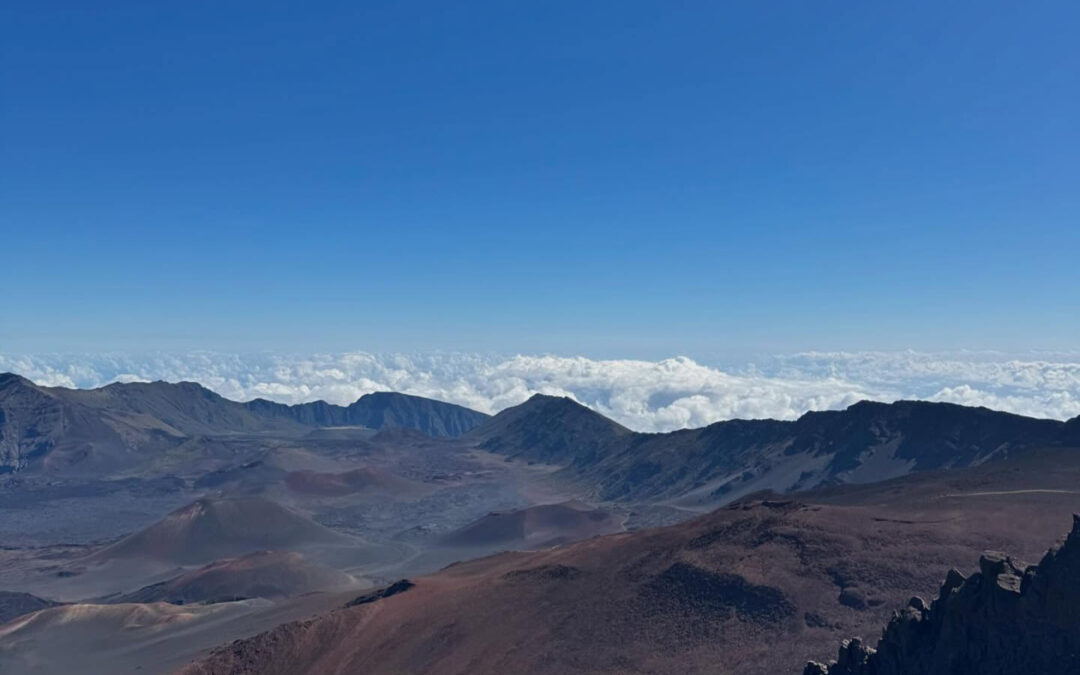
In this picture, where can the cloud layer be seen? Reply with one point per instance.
(643, 395)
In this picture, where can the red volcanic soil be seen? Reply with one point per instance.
(365, 480)
(264, 574)
(536, 526)
(211, 529)
(756, 588)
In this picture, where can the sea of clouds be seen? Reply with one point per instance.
(643, 395)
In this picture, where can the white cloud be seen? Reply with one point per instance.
(644, 395)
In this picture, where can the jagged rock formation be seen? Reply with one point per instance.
(1007, 618)
(399, 586)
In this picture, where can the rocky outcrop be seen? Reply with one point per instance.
(1006, 618)
(710, 595)
(399, 586)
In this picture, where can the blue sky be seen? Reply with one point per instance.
(611, 179)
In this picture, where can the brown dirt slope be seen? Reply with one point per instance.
(756, 588)
(211, 529)
(264, 574)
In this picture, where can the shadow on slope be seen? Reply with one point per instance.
(535, 527)
(264, 574)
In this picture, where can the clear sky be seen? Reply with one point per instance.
(612, 179)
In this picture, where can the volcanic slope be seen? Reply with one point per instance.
(1009, 617)
(211, 529)
(263, 574)
(549, 430)
(365, 481)
(13, 604)
(151, 638)
(755, 588)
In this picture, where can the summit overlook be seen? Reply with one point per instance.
(550, 338)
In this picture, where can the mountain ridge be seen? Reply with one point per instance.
(547, 429)
(380, 410)
(56, 428)
(117, 426)
(867, 442)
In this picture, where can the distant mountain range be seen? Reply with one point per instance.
(865, 443)
(380, 410)
(52, 428)
(888, 496)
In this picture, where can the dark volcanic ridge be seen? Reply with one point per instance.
(380, 410)
(399, 586)
(1009, 617)
(58, 429)
(868, 442)
(158, 428)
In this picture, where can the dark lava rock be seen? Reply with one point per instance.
(545, 572)
(1007, 618)
(853, 598)
(399, 586)
(719, 594)
(815, 620)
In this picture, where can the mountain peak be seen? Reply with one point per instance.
(553, 404)
(549, 429)
(551, 398)
(388, 409)
(11, 379)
